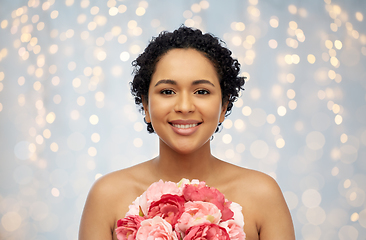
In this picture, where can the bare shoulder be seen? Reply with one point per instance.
(112, 184)
(251, 188)
(122, 187)
(248, 180)
(259, 182)
(108, 201)
(264, 208)
(120, 180)
(260, 189)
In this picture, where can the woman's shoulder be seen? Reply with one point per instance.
(245, 183)
(124, 181)
(243, 176)
(108, 201)
(115, 191)
(263, 205)
(255, 179)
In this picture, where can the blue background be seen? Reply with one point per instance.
(301, 118)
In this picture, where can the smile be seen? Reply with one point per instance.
(185, 125)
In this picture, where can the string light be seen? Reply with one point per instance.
(64, 94)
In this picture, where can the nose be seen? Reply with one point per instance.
(184, 103)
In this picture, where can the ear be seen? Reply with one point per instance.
(146, 110)
(223, 112)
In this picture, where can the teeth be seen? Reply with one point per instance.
(185, 126)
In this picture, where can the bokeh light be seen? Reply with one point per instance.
(67, 117)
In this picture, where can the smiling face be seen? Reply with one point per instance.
(184, 101)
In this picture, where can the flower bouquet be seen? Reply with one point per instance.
(185, 210)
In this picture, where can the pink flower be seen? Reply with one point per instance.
(183, 182)
(169, 207)
(238, 214)
(154, 193)
(134, 208)
(235, 231)
(128, 226)
(197, 213)
(206, 231)
(156, 228)
(200, 192)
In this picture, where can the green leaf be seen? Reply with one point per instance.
(141, 213)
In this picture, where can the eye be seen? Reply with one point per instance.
(166, 92)
(202, 92)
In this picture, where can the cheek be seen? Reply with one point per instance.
(212, 108)
(159, 107)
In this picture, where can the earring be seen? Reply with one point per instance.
(145, 120)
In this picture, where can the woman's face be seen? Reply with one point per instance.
(185, 103)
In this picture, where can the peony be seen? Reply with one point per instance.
(200, 192)
(169, 207)
(196, 213)
(156, 228)
(238, 215)
(154, 193)
(235, 231)
(128, 226)
(134, 208)
(206, 231)
(183, 211)
(182, 183)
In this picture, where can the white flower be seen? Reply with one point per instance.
(238, 215)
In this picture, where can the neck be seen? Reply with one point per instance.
(173, 166)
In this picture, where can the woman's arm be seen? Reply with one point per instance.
(275, 218)
(98, 218)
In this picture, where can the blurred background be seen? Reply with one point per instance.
(67, 116)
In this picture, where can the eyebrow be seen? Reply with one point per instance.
(196, 82)
(166, 81)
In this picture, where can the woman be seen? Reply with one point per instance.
(186, 83)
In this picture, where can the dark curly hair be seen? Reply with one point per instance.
(184, 37)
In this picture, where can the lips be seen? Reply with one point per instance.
(185, 127)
